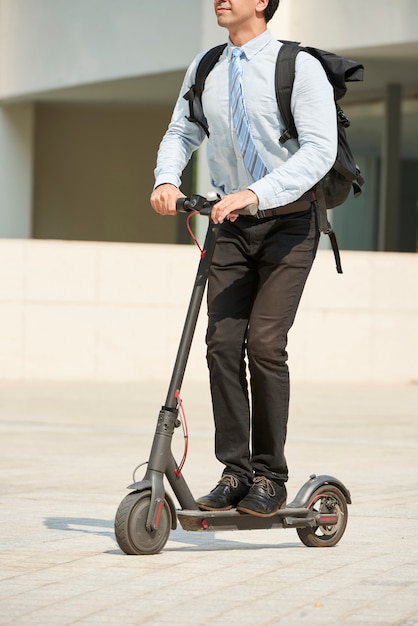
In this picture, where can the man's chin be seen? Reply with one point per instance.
(223, 21)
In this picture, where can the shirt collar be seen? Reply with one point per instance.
(252, 47)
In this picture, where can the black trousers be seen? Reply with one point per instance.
(255, 284)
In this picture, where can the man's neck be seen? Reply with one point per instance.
(240, 36)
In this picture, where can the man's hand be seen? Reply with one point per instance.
(234, 201)
(163, 199)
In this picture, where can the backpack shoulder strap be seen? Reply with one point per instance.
(284, 79)
(205, 66)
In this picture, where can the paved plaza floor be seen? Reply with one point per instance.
(67, 452)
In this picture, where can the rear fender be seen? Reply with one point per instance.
(304, 495)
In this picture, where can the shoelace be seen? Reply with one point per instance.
(229, 481)
(266, 484)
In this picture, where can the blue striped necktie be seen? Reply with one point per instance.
(252, 160)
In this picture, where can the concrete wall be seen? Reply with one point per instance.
(348, 25)
(113, 312)
(51, 44)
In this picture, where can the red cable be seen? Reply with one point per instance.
(185, 431)
(193, 236)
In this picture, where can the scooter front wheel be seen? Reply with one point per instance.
(326, 500)
(130, 525)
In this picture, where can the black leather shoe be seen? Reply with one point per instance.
(225, 496)
(264, 498)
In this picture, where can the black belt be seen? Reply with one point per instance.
(302, 204)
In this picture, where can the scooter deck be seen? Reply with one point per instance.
(235, 520)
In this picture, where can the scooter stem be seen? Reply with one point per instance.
(161, 459)
(192, 316)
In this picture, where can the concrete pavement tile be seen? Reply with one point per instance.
(67, 453)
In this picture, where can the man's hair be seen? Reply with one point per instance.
(271, 9)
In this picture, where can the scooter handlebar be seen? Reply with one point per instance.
(204, 205)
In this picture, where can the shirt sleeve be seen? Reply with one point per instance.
(314, 112)
(181, 139)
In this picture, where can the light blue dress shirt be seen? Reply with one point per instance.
(296, 166)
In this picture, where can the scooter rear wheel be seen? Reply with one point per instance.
(326, 500)
(130, 525)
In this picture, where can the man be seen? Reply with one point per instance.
(260, 263)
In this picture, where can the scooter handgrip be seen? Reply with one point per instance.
(182, 205)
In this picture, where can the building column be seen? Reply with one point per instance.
(16, 170)
(388, 236)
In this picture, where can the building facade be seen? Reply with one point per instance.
(87, 88)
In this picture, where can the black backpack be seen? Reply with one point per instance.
(345, 175)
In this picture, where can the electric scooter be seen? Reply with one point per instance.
(147, 514)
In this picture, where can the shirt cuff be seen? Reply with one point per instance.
(270, 197)
(264, 194)
(167, 179)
